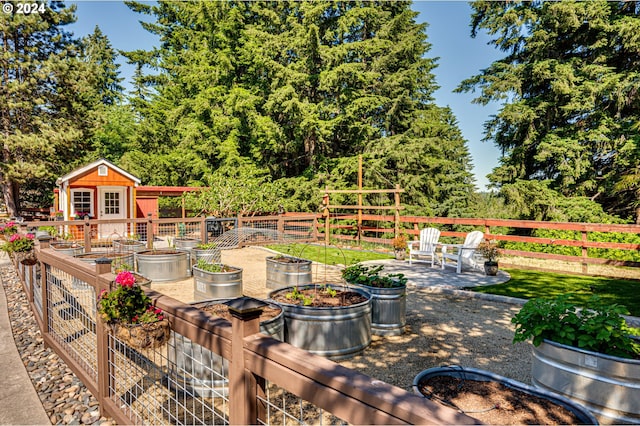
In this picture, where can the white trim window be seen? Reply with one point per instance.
(82, 202)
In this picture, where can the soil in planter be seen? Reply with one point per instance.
(494, 403)
(285, 259)
(222, 310)
(321, 298)
(159, 252)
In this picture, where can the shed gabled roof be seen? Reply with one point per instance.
(102, 162)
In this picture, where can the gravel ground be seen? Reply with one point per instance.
(442, 329)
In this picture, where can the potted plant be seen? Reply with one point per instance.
(207, 251)
(216, 281)
(497, 400)
(8, 229)
(400, 246)
(59, 215)
(489, 250)
(388, 297)
(590, 355)
(20, 246)
(129, 244)
(285, 271)
(131, 314)
(330, 320)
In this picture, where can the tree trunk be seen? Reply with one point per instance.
(10, 195)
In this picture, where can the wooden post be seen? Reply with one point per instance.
(359, 235)
(396, 198)
(325, 213)
(103, 266)
(585, 254)
(243, 384)
(150, 235)
(87, 235)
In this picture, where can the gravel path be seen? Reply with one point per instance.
(443, 328)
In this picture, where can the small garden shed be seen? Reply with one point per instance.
(102, 190)
(99, 190)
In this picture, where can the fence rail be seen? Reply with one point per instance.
(379, 229)
(230, 374)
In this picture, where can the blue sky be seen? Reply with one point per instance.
(460, 57)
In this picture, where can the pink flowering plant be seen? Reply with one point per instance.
(128, 303)
(8, 228)
(19, 243)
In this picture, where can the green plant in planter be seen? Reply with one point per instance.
(211, 267)
(597, 327)
(297, 295)
(370, 276)
(207, 246)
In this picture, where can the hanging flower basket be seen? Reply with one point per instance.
(150, 335)
(27, 257)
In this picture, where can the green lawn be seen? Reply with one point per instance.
(531, 284)
(329, 255)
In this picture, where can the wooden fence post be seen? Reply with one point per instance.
(585, 253)
(150, 235)
(103, 266)
(243, 384)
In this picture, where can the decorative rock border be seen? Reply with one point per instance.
(64, 397)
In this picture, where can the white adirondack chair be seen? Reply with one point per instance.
(462, 253)
(426, 245)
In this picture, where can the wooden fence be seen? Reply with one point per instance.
(136, 387)
(379, 230)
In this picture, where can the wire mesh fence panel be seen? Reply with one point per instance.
(37, 289)
(72, 317)
(284, 408)
(179, 229)
(181, 383)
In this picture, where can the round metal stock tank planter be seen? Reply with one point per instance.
(388, 309)
(163, 264)
(186, 243)
(70, 249)
(217, 285)
(467, 373)
(284, 271)
(335, 332)
(209, 255)
(608, 386)
(194, 367)
(90, 258)
(129, 246)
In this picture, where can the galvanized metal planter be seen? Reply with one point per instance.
(163, 265)
(337, 332)
(70, 249)
(129, 246)
(608, 386)
(388, 309)
(118, 260)
(291, 271)
(217, 285)
(202, 372)
(476, 374)
(209, 255)
(186, 243)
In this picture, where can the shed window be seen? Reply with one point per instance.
(102, 170)
(82, 202)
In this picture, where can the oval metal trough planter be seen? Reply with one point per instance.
(336, 332)
(163, 265)
(607, 385)
(217, 285)
(201, 372)
(476, 374)
(284, 271)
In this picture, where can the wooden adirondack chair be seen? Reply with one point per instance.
(426, 245)
(462, 253)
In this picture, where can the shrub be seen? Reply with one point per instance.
(369, 276)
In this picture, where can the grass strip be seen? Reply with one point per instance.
(329, 255)
(527, 284)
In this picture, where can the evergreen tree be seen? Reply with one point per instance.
(301, 89)
(97, 51)
(570, 88)
(45, 99)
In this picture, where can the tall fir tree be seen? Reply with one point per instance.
(45, 101)
(570, 91)
(301, 88)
